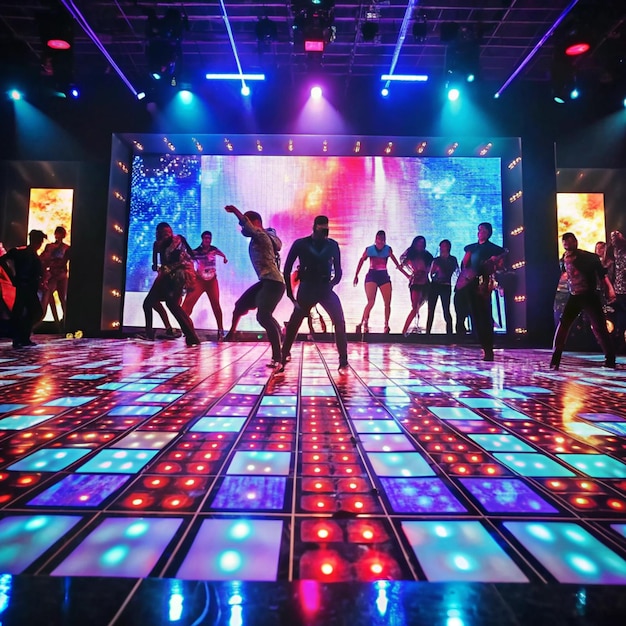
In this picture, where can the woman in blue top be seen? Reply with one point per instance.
(376, 278)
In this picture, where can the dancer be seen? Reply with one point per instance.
(441, 272)
(617, 251)
(206, 280)
(478, 266)
(376, 278)
(584, 271)
(265, 294)
(25, 269)
(55, 258)
(418, 260)
(174, 274)
(320, 270)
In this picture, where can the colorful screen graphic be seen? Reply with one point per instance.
(583, 215)
(405, 196)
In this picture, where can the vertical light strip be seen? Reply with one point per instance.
(401, 36)
(80, 18)
(232, 43)
(534, 51)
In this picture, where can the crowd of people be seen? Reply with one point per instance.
(596, 284)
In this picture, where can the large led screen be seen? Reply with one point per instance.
(404, 196)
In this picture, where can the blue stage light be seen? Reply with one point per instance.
(453, 94)
(384, 92)
(15, 94)
(245, 90)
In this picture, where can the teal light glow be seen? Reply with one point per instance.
(453, 94)
(14, 94)
(176, 606)
(114, 556)
(576, 536)
(137, 529)
(582, 564)
(36, 523)
(540, 532)
(185, 96)
(240, 531)
(230, 561)
(442, 531)
(236, 618)
(462, 562)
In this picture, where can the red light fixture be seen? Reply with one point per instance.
(576, 49)
(58, 44)
(312, 45)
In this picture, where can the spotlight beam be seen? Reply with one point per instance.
(229, 30)
(80, 18)
(404, 27)
(534, 51)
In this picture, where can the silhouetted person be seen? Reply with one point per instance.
(25, 269)
(55, 258)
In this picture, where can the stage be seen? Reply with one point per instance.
(149, 480)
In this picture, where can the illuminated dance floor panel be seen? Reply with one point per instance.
(149, 460)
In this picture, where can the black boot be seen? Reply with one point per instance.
(556, 359)
(609, 361)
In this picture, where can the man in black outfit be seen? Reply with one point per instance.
(26, 274)
(319, 271)
(480, 261)
(585, 273)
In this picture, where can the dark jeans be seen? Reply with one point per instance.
(438, 290)
(461, 307)
(26, 313)
(264, 296)
(310, 294)
(591, 305)
(620, 321)
(165, 290)
(480, 313)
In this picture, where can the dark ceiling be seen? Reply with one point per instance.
(501, 33)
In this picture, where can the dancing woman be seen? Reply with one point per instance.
(418, 261)
(376, 278)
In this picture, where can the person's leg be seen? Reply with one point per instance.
(62, 293)
(571, 310)
(385, 292)
(300, 311)
(413, 312)
(184, 321)
(47, 299)
(245, 304)
(193, 295)
(445, 293)
(482, 322)
(332, 305)
(267, 300)
(213, 291)
(370, 292)
(594, 313)
(433, 296)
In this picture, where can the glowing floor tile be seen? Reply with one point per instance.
(420, 495)
(586, 430)
(421, 389)
(126, 547)
(113, 461)
(570, 553)
(506, 495)
(376, 426)
(601, 417)
(617, 428)
(110, 386)
(276, 411)
(260, 463)
(532, 464)
(49, 460)
(453, 413)
(501, 443)
(80, 490)
(71, 401)
(403, 464)
(508, 414)
(279, 401)
(453, 388)
(24, 538)
(234, 550)
(135, 410)
(619, 528)
(530, 389)
(251, 493)
(87, 376)
(145, 440)
(386, 443)
(228, 410)
(139, 387)
(460, 551)
(163, 398)
(505, 393)
(595, 465)
(7, 408)
(483, 403)
(247, 389)
(219, 424)
(22, 422)
(322, 391)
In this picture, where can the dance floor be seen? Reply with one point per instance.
(160, 466)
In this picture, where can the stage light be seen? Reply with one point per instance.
(420, 28)
(266, 31)
(186, 96)
(164, 41)
(405, 78)
(313, 24)
(56, 30)
(245, 90)
(316, 93)
(73, 92)
(384, 92)
(574, 93)
(453, 94)
(15, 94)
(141, 95)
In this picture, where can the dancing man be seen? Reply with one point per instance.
(585, 273)
(319, 271)
(264, 295)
